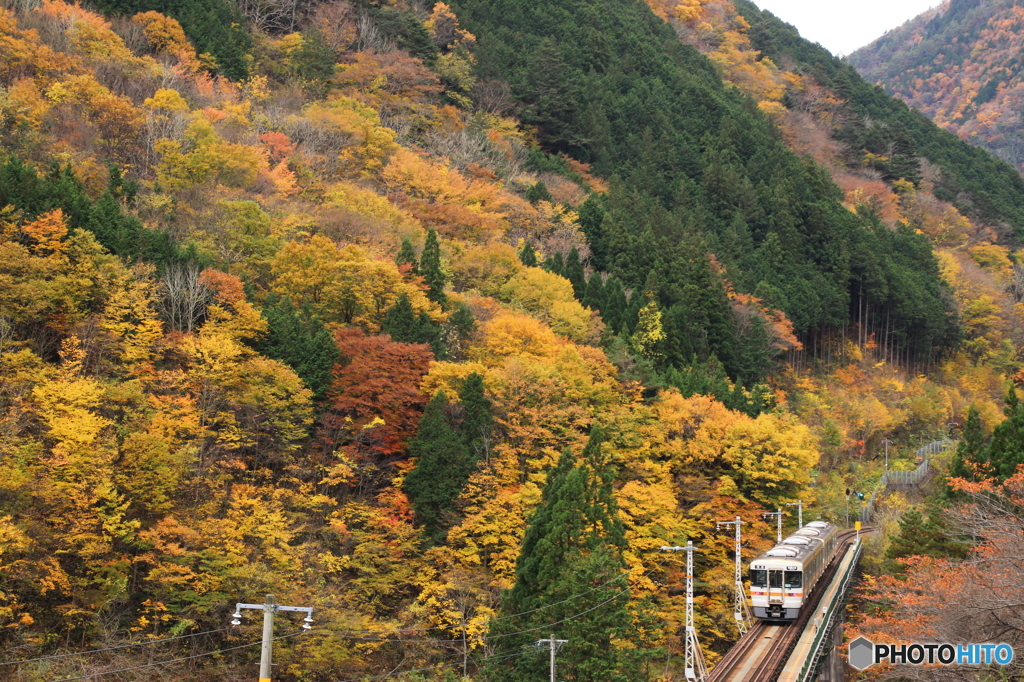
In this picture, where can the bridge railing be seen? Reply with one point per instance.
(924, 453)
(832, 612)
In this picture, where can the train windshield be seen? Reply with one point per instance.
(794, 579)
(758, 578)
(775, 578)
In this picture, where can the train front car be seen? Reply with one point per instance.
(782, 577)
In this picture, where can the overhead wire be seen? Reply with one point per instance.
(396, 671)
(368, 635)
(113, 648)
(173, 660)
(363, 635)
(358, 634)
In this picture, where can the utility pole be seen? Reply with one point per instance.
(553, 644)
(269, 608)
(695, 667)
(799, 504)
(778, 519)
(886, 441)
(741, 612)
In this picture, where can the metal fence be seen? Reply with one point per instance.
(914, 477)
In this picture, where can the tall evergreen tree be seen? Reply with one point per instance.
(407, 255)
(593, 296)
(405, 326)
(921, 535)
(571, 581)
(457, 330)
(555, 263)
(527, 255)
(430, 268)
(476, 425)
(574, 272)
(1006, 449)
(538, 192)
(443, 465)
(970, 460)
(299, 339)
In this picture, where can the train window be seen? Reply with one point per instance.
(775, 578)
(758, 578)
(794, 579)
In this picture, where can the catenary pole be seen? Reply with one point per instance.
(695, 668)
(799, 504)
(740, 610)
(778, 523)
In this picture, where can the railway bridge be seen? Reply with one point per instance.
(805, 649)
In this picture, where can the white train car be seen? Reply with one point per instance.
(782, 577)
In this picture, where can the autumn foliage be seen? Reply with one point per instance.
(226, 305)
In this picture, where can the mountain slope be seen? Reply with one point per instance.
(877, 126)
(961, 64)
(700, 166)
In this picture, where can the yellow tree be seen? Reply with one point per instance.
(343, 285)
(550, 297)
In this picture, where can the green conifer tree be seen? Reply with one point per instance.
(527, 255)
(970, 460)
(538, 191)
(457, 330)
(405, 326)
(430, 268)
(570, 581)
(910, 539)
(574, 272)
(476, 425)
(407, 255)
(443, 465)
(925, 536)
(616, 306)
(555, 263)
(299, 339)
(1006, 449)
(594, 295)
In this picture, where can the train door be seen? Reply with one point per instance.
(774, 588)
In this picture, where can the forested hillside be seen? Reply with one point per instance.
(441, 320)
(959, 64)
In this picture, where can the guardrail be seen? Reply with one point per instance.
(905, 477)
(833, 611)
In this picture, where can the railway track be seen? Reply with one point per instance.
(761, 653)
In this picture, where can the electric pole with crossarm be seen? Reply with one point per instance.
(554, 645)
(269, 608)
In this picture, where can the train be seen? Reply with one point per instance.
(784, 576)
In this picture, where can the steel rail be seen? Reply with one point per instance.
(784, 637)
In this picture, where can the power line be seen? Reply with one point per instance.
(564, 620)
(173, 660)
(357, 634)
(358, 679)
(577, 596)
(113, 648)
(373, 635)
(396, 671)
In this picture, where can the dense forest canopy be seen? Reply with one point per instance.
(395, 310)
(960, 65)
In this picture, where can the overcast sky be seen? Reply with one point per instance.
(841, 26)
